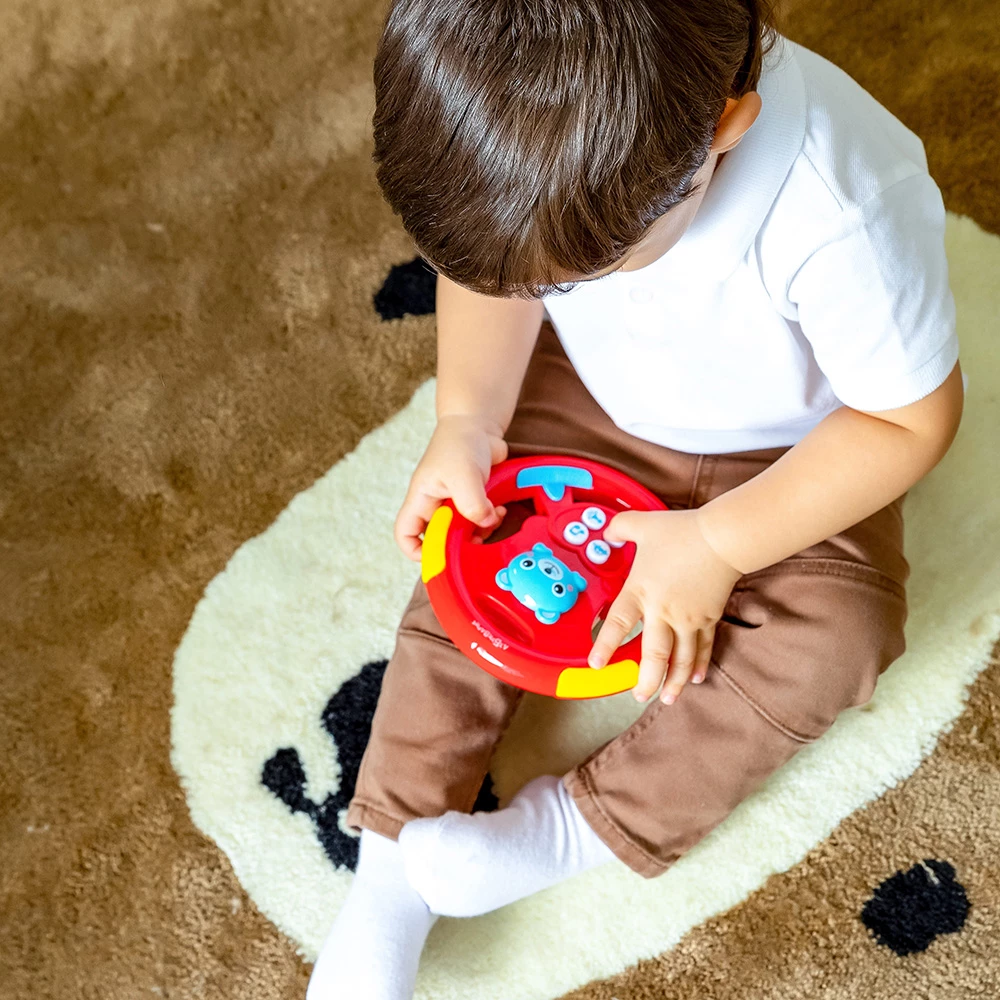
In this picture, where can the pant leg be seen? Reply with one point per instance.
(439, 716)
(437, 720)
(799, 642)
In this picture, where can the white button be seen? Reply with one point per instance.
(640, 295)
(594, 518)
(576, 533)
(614, 545)
(598, 552)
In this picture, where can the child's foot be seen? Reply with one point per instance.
(463, 865)
(372, 950)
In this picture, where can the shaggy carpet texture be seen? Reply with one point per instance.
(205, 307)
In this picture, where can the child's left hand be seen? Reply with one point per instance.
(678, 586)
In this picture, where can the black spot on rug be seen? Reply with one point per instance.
(409, 288)
(347, 718)
(910, 909)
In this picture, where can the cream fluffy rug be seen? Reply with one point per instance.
(301, 608)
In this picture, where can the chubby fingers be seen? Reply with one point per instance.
(624, 527)
(481, 534)
(682, 665)
(658, 641)
(411, 521)
(706, 640)
(468, 493)
(691, 654)
(622, 616)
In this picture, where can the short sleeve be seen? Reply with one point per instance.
(874, 301)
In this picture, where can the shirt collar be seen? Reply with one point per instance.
(746, 182)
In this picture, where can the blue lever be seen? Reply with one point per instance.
(554, 479)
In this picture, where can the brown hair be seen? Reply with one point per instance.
(523, 139)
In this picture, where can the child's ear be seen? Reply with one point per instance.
(735, 121)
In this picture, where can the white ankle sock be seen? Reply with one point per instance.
(372, 950)
(463, 865)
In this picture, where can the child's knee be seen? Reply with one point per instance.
(810, 638)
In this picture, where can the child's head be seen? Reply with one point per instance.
(528, 143)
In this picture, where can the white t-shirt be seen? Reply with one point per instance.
(812, 276)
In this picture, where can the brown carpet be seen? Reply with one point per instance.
(190, 239)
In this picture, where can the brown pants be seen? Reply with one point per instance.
(799, 642)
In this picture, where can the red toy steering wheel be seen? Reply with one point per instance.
(523, 607)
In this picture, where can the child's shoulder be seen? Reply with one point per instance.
(857, 180)
(854, 147)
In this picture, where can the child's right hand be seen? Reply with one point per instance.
(455, 466)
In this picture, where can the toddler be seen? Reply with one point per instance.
(671, 241)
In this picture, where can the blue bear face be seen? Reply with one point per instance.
(542, 582)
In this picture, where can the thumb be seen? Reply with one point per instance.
(468, 493)
(498, 451)
(624, 527)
